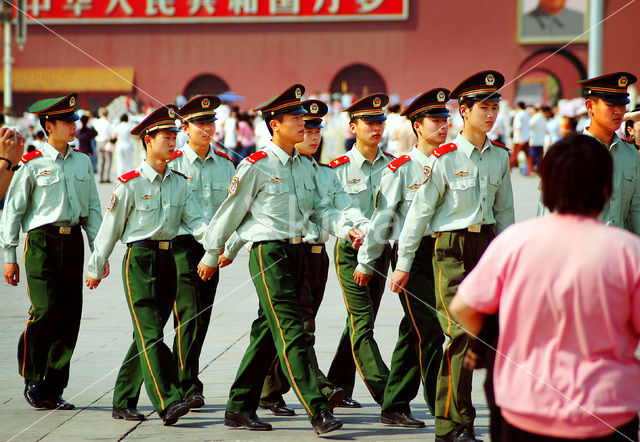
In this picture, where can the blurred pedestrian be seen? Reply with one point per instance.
(521, 136)
(104, 144)
(246, 144)
(124, 147)
(85, 135)
(538, 129)
(632, 126)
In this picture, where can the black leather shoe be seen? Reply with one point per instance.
(245, 419)
(281, 410)
(325, 422)
(467, 434)
(195, 400)
(335, 397)
(34, 393)
(57, 403)
(128, 414)
(349, 402)
(174, 411)
(400, 418)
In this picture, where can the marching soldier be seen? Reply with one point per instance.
(418, 352)
(52, 196)
(317, 265)
(271, 197)
(148, 207)
(360, 171)
(466, 200)
(208, 173)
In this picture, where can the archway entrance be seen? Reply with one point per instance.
(205, 84)
(358, 79)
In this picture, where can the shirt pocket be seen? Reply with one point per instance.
(276, 199)
(219, 192)
(492, 189)
(47, 178)
(82, 187)
(357, 192)
(627, 186)
(147, 211)
(464, 192)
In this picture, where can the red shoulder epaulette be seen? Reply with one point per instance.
(256, 156)
(128, 176)
(626, 140)
(176, 154)
(398, 162)
(31, 155)
(339, 161)
(388, 154)
(222, 154)
(445, 148)
(82, 151)
(495, 143)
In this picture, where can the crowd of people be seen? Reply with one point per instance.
(556, 324)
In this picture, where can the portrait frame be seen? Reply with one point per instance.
(537, 27)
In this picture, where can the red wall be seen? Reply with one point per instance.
(441, 44)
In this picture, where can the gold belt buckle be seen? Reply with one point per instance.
(164, 245)
(476, 228)
(296, 240)
(316, 249)
(65, 230)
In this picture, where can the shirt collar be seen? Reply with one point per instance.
(280, 153)
(150, 173)
(191, 154)
(465, 145)
(418, 156)
(614, 140)
(53, 153)
(357, 158)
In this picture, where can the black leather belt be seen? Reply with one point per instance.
(151, 244)
(484, 228)
(60, 230)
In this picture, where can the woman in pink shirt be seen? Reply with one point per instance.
(567, 288)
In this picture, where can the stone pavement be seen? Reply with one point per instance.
(106, 333)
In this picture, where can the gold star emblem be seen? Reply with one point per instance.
(314, 108)
(490, 80)
(172, 114)
(72, 101)
(440, 96)
(206, 103)
(298, 92)
(623, 81)
(377, 102)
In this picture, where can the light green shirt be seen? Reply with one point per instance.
(148, 206)
(397, 190)
(360, 178)
(50, 189)
(271, 199)
(208, 179)
(467, 186)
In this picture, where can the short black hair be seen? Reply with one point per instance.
(469, 102)
(124, 118)
(577, 175)
(278, 117)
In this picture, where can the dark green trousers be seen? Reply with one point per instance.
(455, 255)
(53, 266)
(309, 300)
(191, 311)
(277, 270)
(418, 352)
(357, 348)
(149, 278)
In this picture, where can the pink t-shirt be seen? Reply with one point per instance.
(568, 288)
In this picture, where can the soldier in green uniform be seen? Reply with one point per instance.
(52, 196)
(466, 200)
(208, 173)
(317, 265)
(606, 100)
(148, 207)
(418, 352)
(271, 198)
(359, 172)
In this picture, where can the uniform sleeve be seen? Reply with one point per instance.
(192, 218)
(111, 229)
(503, 203)
(343, 202)
(634, 208)
(16, 204)
(91, 224)
(233, 245)
(419, 216)
(387, 200)
(231, 212)
(327, 217)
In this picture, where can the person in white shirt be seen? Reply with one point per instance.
(104, 127)
(538, 130)
(125, 147)
(521, 137)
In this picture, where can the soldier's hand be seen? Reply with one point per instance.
(12, 273)
(92, 283)
(205, 272)
(357, 238)
(107, 270)
(362, 279)
(398, 280)
(223, 261)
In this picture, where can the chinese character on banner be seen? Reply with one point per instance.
(368, 5)
(113, 4)
(39, 5)
(77, 6)
(335, 5)
(165, 6)
(243, 6)
(208, 5)
(284, 6)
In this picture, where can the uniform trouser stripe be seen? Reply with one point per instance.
(284, 342)
(417, 330)
(448, 351)
(353, 328)
(24, 339)
(144, 345)
(178, 334)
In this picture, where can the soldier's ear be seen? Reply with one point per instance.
(274, 124)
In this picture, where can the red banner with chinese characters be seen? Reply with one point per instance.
(212, 11)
